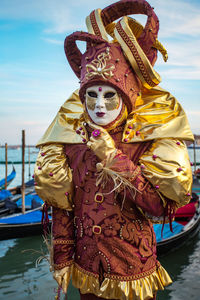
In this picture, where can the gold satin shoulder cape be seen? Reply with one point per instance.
(158, 117)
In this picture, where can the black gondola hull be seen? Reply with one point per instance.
(180, 239)
(11, 231)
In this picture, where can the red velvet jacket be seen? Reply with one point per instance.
(101, 238)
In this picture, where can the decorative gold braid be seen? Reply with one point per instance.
(117, 129)
(137, 30)
(121, 278)
(62, 265)
(94, 24)
(135, 173)
(132, 277)
(134, 51)
(86, 272)
(63, 242)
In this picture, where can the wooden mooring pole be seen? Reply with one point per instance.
(6, 164)
(29, 163)
(23, 161)
(194, 152)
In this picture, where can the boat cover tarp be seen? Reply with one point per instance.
(187, 210)
(10, 177)
(4, 194)
(29, 200)
(27, 218)
(30, 182)
(166, 231)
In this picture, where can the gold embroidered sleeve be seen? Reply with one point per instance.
(53, 177)
(166, 165)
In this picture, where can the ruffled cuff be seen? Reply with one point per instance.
(63, 277)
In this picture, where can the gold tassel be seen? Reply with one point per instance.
(48, 241)
(105, 173)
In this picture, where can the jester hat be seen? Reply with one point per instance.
(120, 54)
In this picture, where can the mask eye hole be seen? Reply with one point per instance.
(109, 95)
(92, 94)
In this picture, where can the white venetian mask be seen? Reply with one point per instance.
(103, 104)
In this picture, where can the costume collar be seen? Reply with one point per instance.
(157, 115)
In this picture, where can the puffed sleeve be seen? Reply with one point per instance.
(53, 177)
(167, 166)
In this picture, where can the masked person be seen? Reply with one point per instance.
(114, 160)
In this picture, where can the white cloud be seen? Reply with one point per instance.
(177, 17)
(53, 41)
(181, 73)
(193, 113)
(60, 16)
(42, 90)
(184, 53)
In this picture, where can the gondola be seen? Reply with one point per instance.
(185, 227)
(10, 178)
(14, 193)
(22, 225)
(15, 224)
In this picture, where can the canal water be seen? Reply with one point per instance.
(21, 278)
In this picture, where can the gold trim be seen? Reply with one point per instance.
(89, 25)
(99, 201)
(96, 226)
(95, 25)
(63, 242)
(135, 55)
(161, 49)
(63, 277)
(99, 66)
(127, 289)
(137, 30)
(135, 173)
(62, 265)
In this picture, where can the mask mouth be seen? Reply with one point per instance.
(100, 114)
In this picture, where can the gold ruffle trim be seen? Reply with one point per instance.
(63, 277)
(139, 289)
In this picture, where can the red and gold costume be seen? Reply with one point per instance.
(107, 190)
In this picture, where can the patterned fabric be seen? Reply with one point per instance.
(63, 234)
(110, 243)
(149, 34)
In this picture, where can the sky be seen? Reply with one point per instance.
(36, 79)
